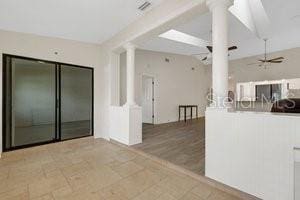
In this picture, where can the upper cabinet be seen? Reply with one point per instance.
(294, 84)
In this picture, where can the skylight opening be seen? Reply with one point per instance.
(184, 38)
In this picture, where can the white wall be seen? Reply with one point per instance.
(159, 19)
(72, 52)
(253, 152)
(297, 173)
(175, 82)
(129, 128)
(240, 71)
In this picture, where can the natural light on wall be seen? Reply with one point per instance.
(184, 38)
(253, 15)
(241, 10)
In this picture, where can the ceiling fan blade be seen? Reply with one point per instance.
(260, 60)
(275, 61)
(279, 58)
(204, 59)
(232, 48)
(210, 48)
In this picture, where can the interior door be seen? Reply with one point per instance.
(147, 99)
(76, 101)
(30, 102)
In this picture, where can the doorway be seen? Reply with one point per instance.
(45, 101)
(148, 99)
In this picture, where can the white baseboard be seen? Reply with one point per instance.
(176, 120)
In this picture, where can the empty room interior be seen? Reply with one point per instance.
(150, 99)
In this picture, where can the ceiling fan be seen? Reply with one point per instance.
(210, 49)
(265, 61)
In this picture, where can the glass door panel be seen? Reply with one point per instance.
(45, 101)
(76, 101)
(32, 102)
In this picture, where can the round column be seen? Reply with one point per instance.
(219, 9)
(130, 54)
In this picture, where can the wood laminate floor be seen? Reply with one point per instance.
(180, 143)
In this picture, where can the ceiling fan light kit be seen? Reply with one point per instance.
(267, 62)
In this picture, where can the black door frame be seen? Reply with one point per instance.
(57, 101)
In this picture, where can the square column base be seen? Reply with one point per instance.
(134, 114)
(126, 124)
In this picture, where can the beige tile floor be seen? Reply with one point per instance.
(95, 169)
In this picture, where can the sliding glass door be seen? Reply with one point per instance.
(76, 101)
(45, 102)
(31, 95)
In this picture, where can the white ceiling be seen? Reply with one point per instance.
(284, 32)
(83, 20)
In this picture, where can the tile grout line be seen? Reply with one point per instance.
(189, 173)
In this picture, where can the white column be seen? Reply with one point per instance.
(219, 9)
(130, 53)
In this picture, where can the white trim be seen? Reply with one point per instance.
(153, 96)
